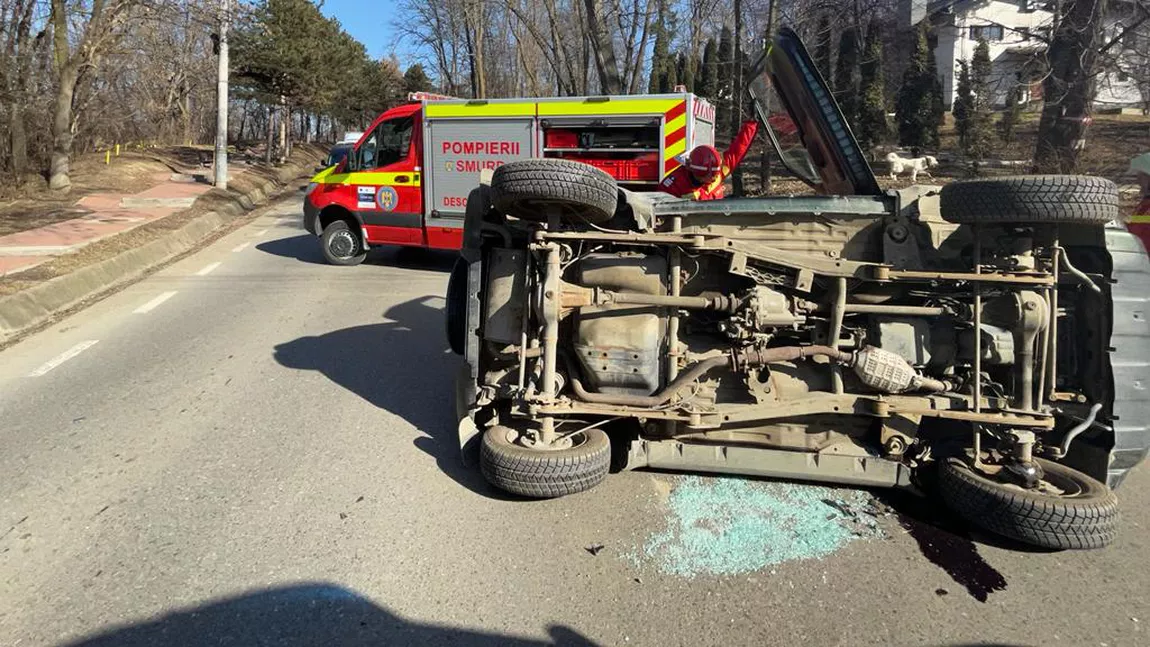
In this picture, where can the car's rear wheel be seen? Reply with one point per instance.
(578, 463)
(341, 245)
(532, 189)
(1067, 509)
(1027, 199)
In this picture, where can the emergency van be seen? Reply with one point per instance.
(407, 181)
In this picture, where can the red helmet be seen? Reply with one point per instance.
(704, 163)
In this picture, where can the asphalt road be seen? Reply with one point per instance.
(251, 447)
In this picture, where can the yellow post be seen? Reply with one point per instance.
(117, 150)
(107, 157)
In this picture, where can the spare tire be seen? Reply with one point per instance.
(1025, 199)
(529, 189)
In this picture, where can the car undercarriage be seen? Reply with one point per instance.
(863, 339)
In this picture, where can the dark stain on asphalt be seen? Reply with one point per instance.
(944, 541)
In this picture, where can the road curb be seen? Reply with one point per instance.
(28, 308)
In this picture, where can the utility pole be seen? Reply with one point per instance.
(221, 161)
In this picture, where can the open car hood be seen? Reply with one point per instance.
(804, 122)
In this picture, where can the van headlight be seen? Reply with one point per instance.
(310, 187)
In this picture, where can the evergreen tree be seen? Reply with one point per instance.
(726, 56)
(933, 85)
(979, 134)
(1013, 113)
(963, 105)
(662, 63)
(684, 72)
(872, 127)
(916, 103)
(416, 80)
(823, 47)
(709, 83)
(846, 81)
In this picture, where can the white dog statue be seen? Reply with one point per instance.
(913, 165)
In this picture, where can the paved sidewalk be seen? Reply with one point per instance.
(107, 214)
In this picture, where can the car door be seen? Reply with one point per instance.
(388, 197)
(804, 123)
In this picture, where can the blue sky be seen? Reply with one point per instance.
(369, 21)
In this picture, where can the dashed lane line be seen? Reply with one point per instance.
(154, 303)
(208, 269)
(241, 247)
(63, 357)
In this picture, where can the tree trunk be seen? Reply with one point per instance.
(737, 95)
(18, 134)
(18, 139)
(281, 148)
(60, 166)
(765, 161)
(269, 151)
(604, 50)
(287, 133)
(1068, 90)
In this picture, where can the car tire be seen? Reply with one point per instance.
(528, 189)
(456, 315)
(1031, 199)
(341, 245)
(1088, 519)
(544, 473)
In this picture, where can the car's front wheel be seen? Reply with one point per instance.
(1067, 509)
(578, 462)
(341, 245)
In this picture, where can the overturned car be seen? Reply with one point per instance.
(992, 333)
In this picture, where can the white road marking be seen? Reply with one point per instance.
(261, 232)
(154, 303)
(208, 270)
(241, 247)
(63, 357)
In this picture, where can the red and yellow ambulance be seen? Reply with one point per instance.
(407, 181)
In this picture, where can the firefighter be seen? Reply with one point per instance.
(1139, 224)
(701, 178)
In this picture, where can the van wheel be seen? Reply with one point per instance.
(529, 189)
(579, 465)
(1068, 509)
(1025, 199)
(341, 245)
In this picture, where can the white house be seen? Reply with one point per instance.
(1015, 31)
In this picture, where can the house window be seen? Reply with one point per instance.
(986, 32)
(1026, 6)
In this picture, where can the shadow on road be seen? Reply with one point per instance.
(304, 615)
(403, 366)
(947, 542)
(305, 248)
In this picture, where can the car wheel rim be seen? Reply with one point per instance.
(562, 442)
(342, 244)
